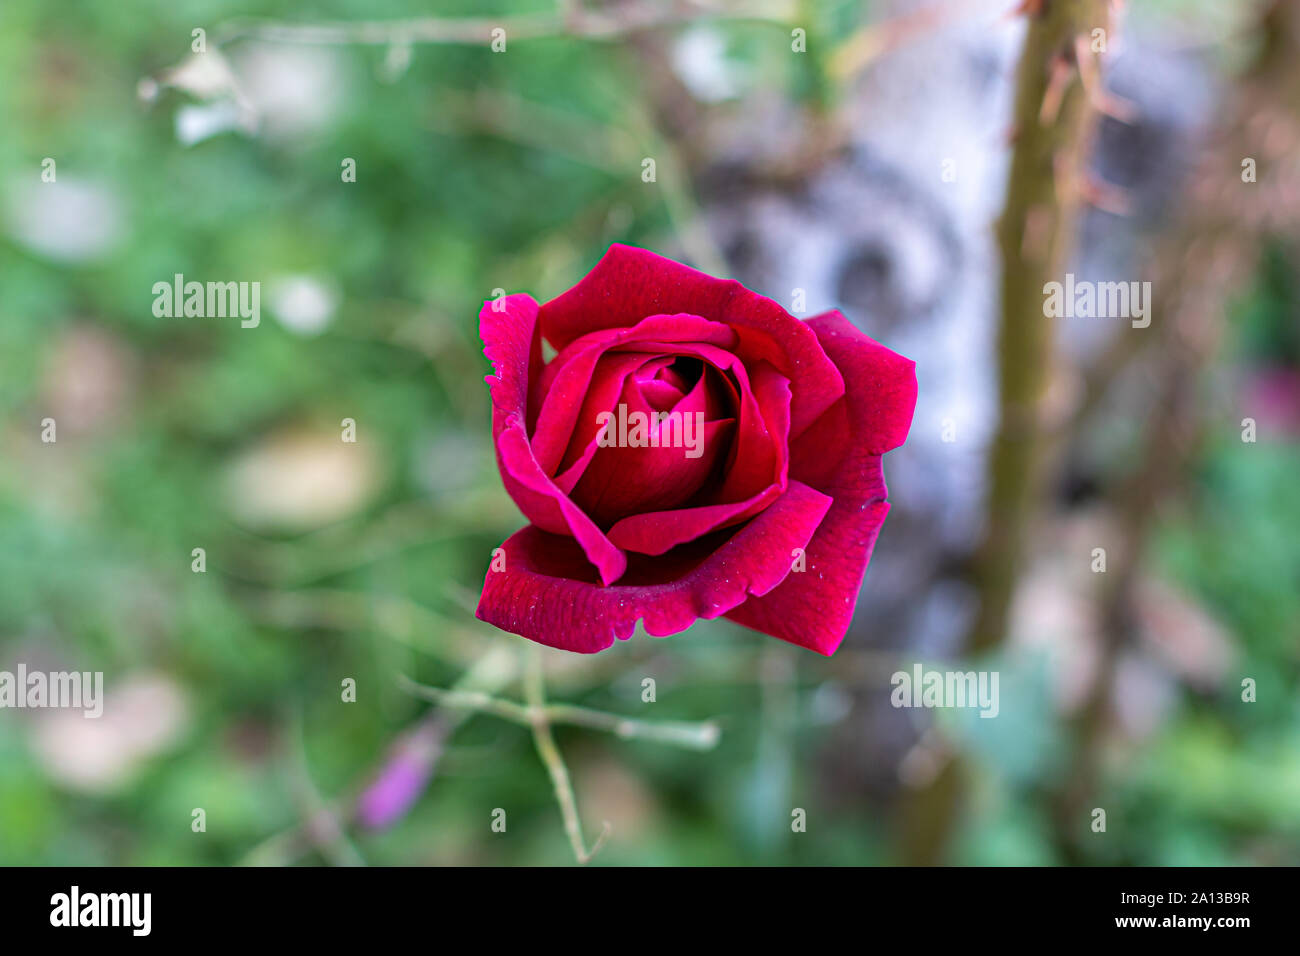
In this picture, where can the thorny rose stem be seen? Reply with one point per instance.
(1053, 119)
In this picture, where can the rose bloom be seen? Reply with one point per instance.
(765, 513)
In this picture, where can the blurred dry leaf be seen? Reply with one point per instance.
(205, 76)
(299, 481)
(1182, 634)
(89, 380)
(143, 717)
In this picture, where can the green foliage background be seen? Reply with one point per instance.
(96, 531)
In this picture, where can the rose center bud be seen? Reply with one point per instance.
(664, 387)
(662, 440)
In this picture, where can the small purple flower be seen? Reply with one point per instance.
(401, 779)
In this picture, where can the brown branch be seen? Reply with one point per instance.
(1046, 185)
(1054, 122)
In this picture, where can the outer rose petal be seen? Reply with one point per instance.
(548, 594)
(814, 608)
(512, 346)
(880, 404)
(629, 284)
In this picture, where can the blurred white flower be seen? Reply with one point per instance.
(303, 304)
(293, 90)
(700, 60)
(195, 123)
(206, 77)
(71, 220)
(281, 92)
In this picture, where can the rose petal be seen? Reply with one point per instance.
(629, 284)
(884, 397)
(840, 456)
(548, 594)
(589, 384)
(508, 328)
(656, 532)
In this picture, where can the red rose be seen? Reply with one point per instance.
(692, 450)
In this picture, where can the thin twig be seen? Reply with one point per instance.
(691, 735)
(323, 826)
(493, 671)
(534, 692)
(573, 22)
